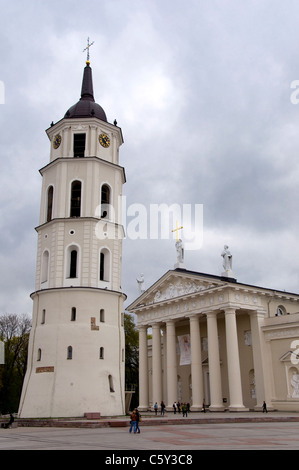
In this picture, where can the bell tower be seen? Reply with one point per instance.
(76, 346)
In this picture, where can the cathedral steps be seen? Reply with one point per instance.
(197, 418)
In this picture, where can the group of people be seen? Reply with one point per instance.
(162, 408)
(177, 407)
(181, 408)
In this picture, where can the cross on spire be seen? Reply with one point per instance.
(177, 230)
(87, 49)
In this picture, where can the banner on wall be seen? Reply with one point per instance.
(185, 350)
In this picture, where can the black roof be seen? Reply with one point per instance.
(86, 107)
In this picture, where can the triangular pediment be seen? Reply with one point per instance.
(289, 356)
(175, 284)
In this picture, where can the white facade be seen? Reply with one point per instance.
(214, 340)
(76, 347)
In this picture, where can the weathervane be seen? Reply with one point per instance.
(87, 49)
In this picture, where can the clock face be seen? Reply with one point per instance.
(104, 140)
(57, 141)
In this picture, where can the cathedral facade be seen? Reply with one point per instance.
(209, 340)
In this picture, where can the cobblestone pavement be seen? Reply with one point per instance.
(168, 437)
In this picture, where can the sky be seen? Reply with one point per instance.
(205, 93)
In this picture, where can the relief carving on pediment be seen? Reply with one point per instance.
(179, 288)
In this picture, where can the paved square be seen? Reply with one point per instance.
(226, 436)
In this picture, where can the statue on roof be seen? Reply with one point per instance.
(179, 251)
(227, 262)
(227, 259)
(140, 283)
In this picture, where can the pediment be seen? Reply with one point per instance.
(173, 285)
(290, 356)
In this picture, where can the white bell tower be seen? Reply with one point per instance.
(76, 347)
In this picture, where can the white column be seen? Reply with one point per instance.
(196, 364)
(262, 374)
(233, 362)
(214, 363)
(171, 365)
(143, 370)
(157, 364)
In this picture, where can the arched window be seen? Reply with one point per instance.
(280, 311)
(111, 386)
(104, 265)
(73, 314)
(72, 266)
(102, 315)
(45, 266)
(75, 199)
(101, 353)
(43, 317)
(73, 263)
(49, 203)
(69, 352)
(105, 201)
(39, 354)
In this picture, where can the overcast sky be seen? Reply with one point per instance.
(202, 92)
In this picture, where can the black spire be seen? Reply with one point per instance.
(87, 88)
(86, 106)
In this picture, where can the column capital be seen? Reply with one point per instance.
(170, 322)
(157, 325)
(230, 310)
(142, 327)
(193, 316)
(210, 313)
(258, 312)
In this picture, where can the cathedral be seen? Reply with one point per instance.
(76, 347)
(213, 342)
(204, 339)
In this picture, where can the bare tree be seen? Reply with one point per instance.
(14, 332)
(12, 325)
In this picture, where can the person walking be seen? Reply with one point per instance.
(156, 408)
(162, 408)
(8, 425)
(174, 407)
(138, 419)
(133, 422)
(184, 409)
(265, 407)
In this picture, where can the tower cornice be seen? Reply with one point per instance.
(74, 161)
(81, 219)
(64, 122)
(78, 288)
